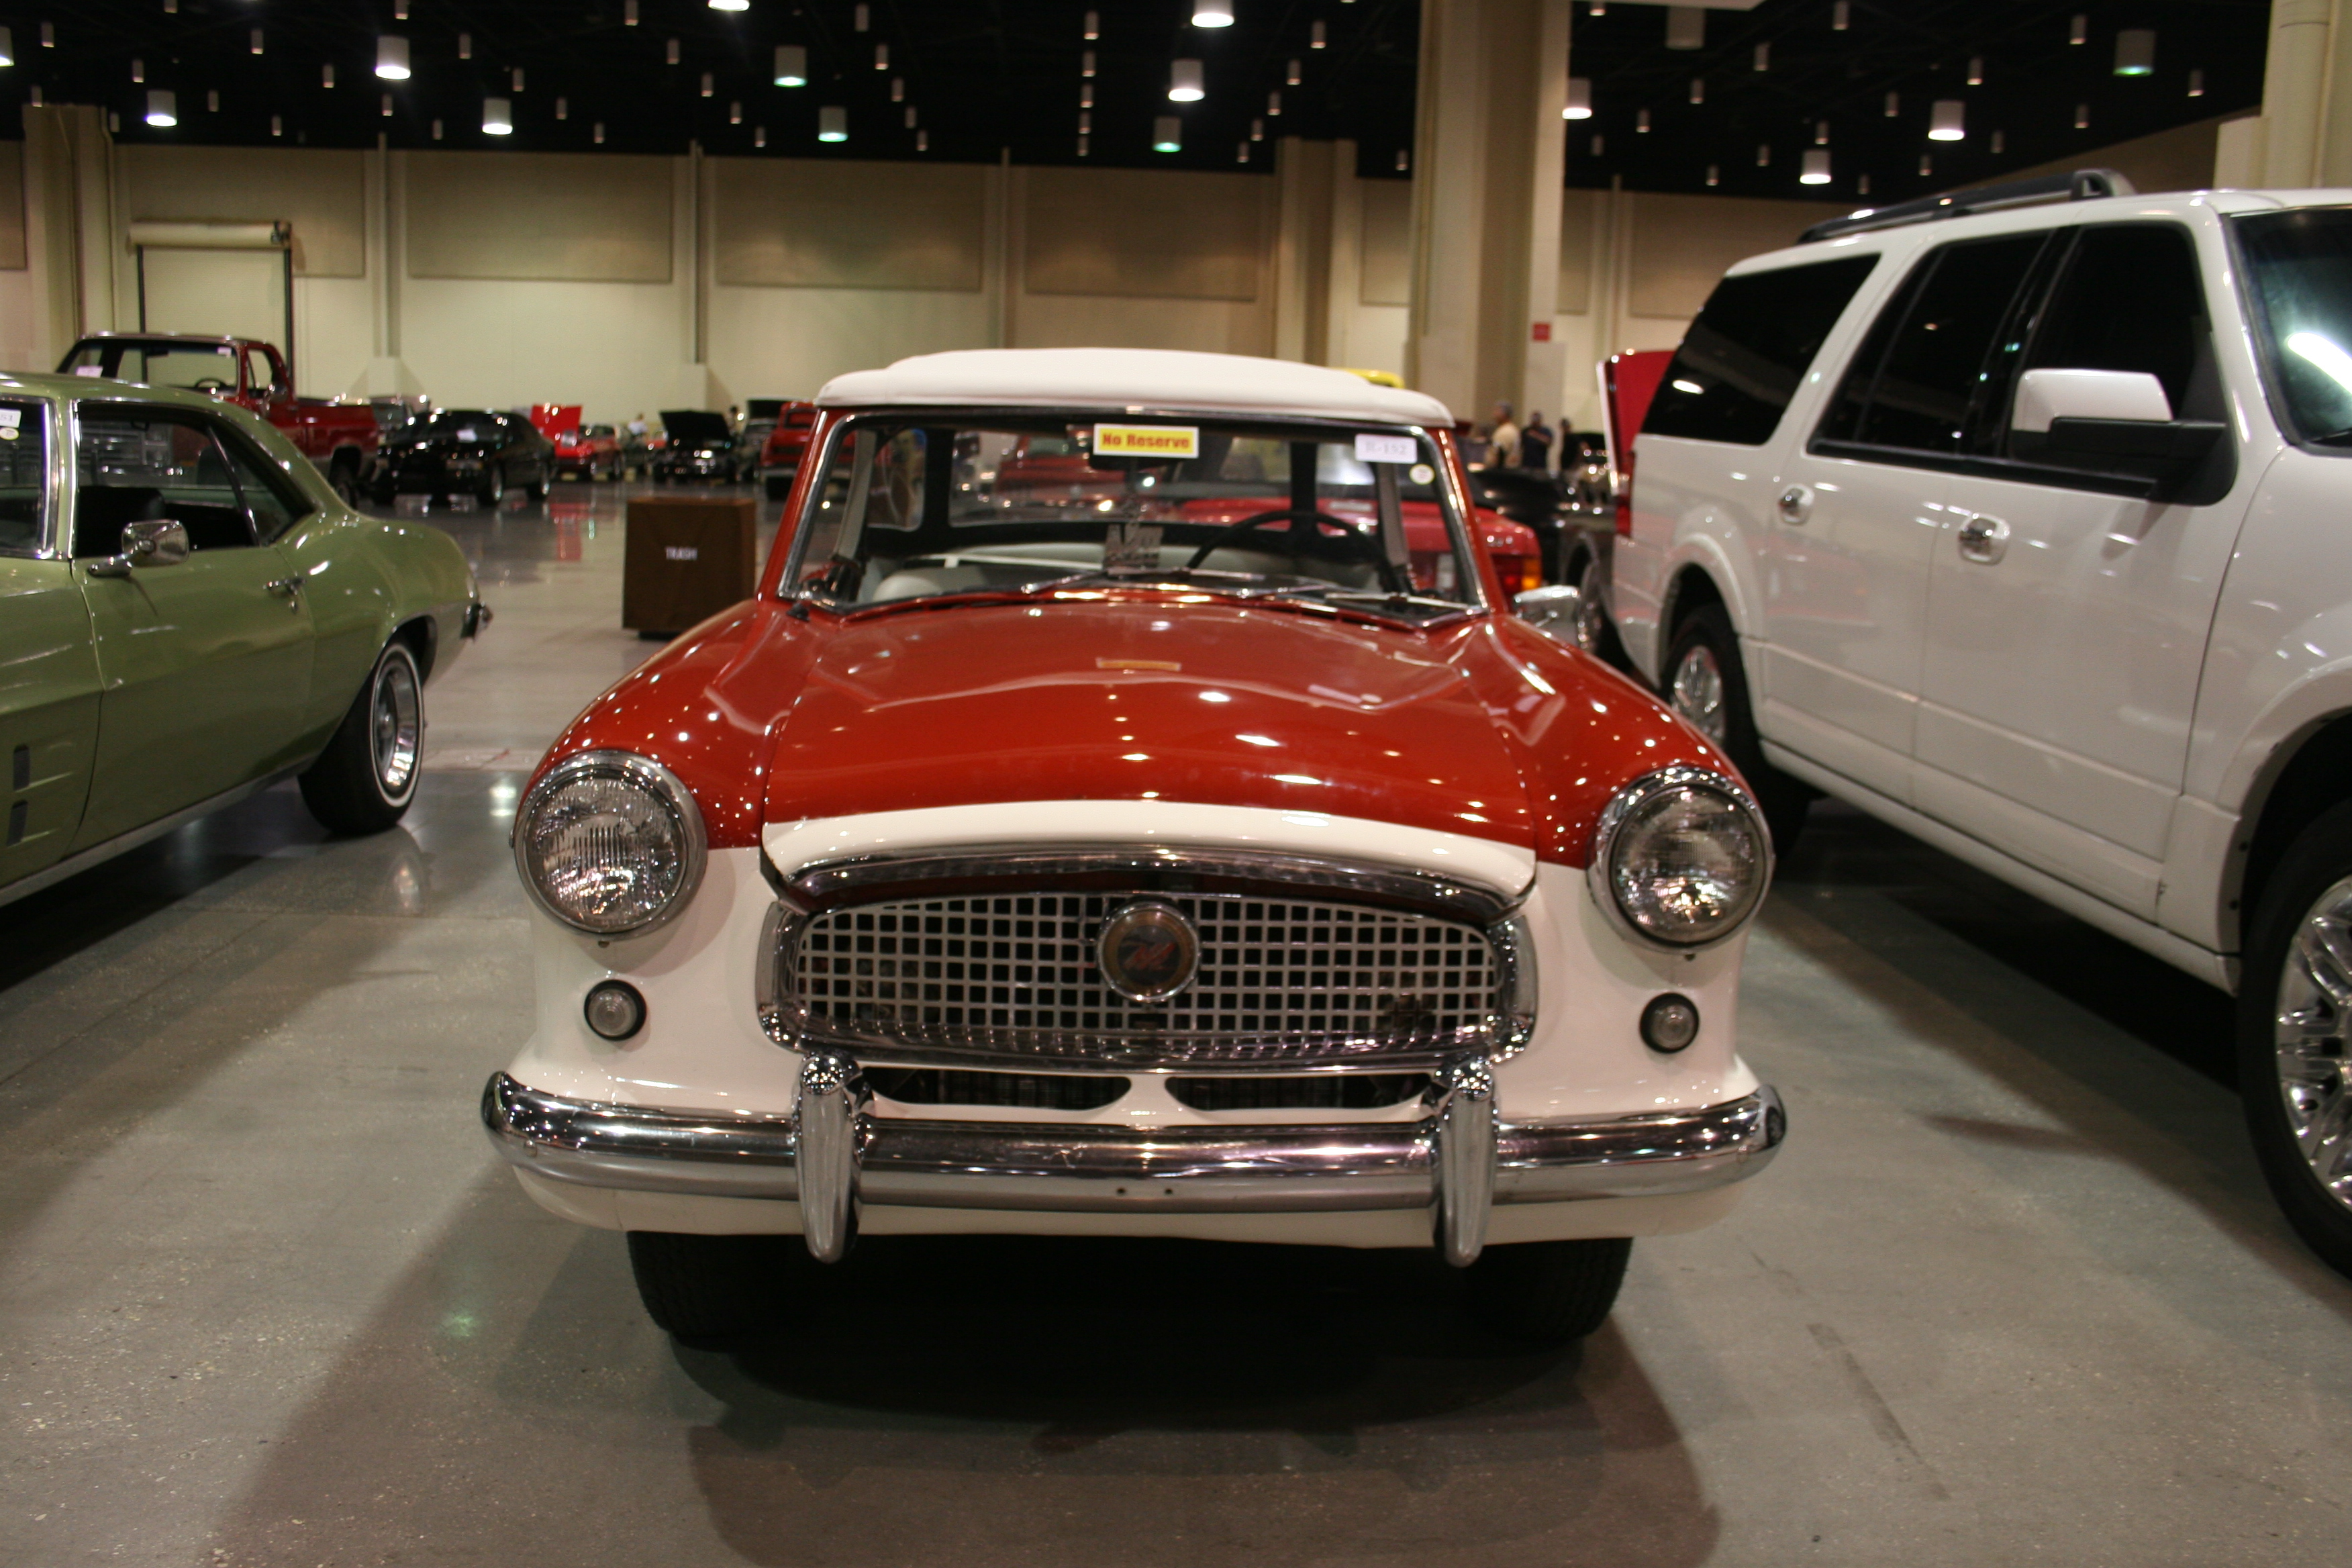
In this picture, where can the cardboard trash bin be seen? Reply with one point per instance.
(688, 558)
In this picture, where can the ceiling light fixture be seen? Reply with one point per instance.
(1948, 120)
(898, 90)
(138, 70)
(2000, 144)
(1274, 103)
(1817, 167)
(399, 9)
(384, 108)
(1714, 175)
(1862, 186)
(277, 125)
(563, 109)
(1087, 63)
(1642, 122)
(1840, 16)
(911, 117)
(1292, 79)
(1894, 104)
(1976, 72)
(392, 58)
(518, 78)
(327, 76)
(710, 88)
(1763, 154)
(1242, 156)
(599, 132)
(1213, 13)
(1405, 162)
(2079, 30)
(673, 51)
(465, 46)
(1599, 144)
(1685, 26)
(833, 120)
(1763, 57)
(163, 108)
(731, 4)
(1926, 167)
(1093, 28)
(1698, 89)
(1082, 146)
(498, 117)
(1166, 135)
(758, 136)
(1580, 99)
(922, 140)
(2197, 84)
(1257, 129)
(2135, 52)
(255, 45)
(2082, 117)
(628, 20)
(1316, 36)
(881, 57)
(792, 65)
(1184, 84)
(1821, 134)
(861, 18)
(734, 112)
(212, 100)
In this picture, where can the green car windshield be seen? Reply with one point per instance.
(917, 508)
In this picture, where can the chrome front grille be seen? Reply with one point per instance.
(1013, 976)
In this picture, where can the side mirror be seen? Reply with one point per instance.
(2115, 421)
(163, 542)
(1550, 609)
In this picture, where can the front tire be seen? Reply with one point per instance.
(1589, 628)
(365, 779)
(2294, 1036)
(493, 488)
(705, 1288)
(1707, 683)
(1548, 1292)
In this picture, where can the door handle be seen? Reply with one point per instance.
(1796, 504)
(290, 586)
(1983, 539)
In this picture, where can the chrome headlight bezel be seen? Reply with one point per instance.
(1608, 837)
(663, 787)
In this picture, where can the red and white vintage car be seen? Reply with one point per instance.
(1199, 857)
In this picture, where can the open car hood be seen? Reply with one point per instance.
(1219, 705)
(696, 428)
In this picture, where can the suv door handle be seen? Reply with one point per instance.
(1983, 539)
(1796, 503)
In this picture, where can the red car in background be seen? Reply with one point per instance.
(581, 451)
(780, 454)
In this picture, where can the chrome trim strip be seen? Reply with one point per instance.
(821, 883)
(1086, 1168)
(122, 842)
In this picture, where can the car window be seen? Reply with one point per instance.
(257, 374)
(270, 499)
(1745, 356)
(24, 475)
(136, 466)
(2130, 299)
(202, 367)
(915, 509)
(1924, 365)
(2299, 281)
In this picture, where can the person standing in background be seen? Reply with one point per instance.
(1503, 441)
(1534, 443)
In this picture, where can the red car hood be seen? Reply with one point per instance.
(1214, 704)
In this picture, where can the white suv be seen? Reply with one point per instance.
(2024, 523)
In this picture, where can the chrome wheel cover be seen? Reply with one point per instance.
(1587, 621)
(2312, 1021)
(1697, 692)
(396, 727)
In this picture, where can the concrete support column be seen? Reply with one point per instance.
(2303, 138)
(70, 231)
(1488, 155)
(1302, 249)
(384, 187)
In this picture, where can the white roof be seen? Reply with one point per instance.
(1131, 380)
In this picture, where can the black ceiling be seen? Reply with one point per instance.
(988, 78)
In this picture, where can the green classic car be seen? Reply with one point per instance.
(187, 615)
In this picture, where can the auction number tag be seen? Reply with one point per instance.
(1386, 449)
(87, 370)
(11, 417)
(1147, 441)
(681, 552)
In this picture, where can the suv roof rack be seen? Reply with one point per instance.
(2081, 185)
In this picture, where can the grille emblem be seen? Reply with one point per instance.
(1149, 952)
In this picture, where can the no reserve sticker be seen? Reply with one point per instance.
(1147, 441)
(1386, 449)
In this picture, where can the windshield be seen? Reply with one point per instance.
(2299, 277)
(201, 367)
(916, 509)
(465, 424)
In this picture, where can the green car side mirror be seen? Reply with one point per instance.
(163, 542)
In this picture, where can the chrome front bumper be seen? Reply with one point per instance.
(832, 1156)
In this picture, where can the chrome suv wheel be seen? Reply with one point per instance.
(1697, 692)
(2308, 1033)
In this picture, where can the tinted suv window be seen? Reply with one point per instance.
(1747, 351)
(2130, 300)
(1923, 366)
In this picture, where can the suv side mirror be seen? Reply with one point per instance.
(2109, 421)
(163, 542)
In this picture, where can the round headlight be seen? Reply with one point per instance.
(609, 843)
(1681, 858)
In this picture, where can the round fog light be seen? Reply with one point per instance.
(1669, 1023)
(616, 1011)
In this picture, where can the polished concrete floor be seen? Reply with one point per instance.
(2012, 1294)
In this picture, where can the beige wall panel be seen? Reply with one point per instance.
(320, 192)
(1387, 243)
(2180, 159)
(1077, 320)
(1161, 233)
(1374, 339)
(772, 343)
(609, 346)
(12, 206)
(1681, 245)
(334, 334)
(1579, 211)
(17, 349)
(543, 216)
(806, 224)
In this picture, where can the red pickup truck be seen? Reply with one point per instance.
(341, 437)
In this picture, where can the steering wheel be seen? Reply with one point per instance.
(209, 384)
(1367, 547)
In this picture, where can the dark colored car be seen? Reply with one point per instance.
(699, 445)
(1528, 496)
(464, 452)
